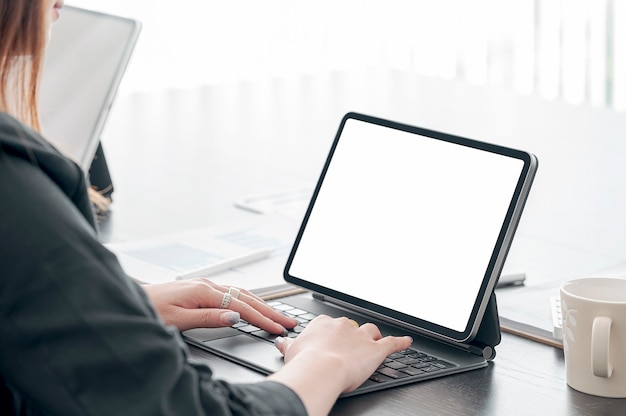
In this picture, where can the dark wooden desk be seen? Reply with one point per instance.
(179, 159)
(526, 378)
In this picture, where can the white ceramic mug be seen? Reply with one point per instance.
(594, 335)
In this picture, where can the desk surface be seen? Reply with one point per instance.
(179, 159)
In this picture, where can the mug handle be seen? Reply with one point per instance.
(600, 336)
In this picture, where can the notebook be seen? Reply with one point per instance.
(408, 228)
(85, 61)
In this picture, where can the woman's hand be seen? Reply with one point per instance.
(335, 353)
(195, 303)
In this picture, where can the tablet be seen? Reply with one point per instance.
(411, 225)
(84, 64)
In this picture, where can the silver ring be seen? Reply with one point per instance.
(234, 292)
(225, 301)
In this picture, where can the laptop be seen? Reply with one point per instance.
(408, 228)
(84, 64)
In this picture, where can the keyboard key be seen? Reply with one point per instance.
(412, 371)
(409, 360)
(390, 372)
(283, 307)
(265, 335)
(396, 365)
(297, 329)
(417, 355)
(380, 378)
(249, 328)
(296, 312)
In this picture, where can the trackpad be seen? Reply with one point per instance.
(251, 352)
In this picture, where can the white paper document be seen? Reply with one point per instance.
(292, 203)
(217, 252)
(527, 310)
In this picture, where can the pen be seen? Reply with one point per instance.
(511, 279)
(226, 264)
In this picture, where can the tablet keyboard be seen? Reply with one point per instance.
(409, 362)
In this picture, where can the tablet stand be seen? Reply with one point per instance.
(488, 335)
(99, 176)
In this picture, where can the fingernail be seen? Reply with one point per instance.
(230, 318)
(278, 341)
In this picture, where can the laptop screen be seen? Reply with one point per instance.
(84, 64)
(411, 224)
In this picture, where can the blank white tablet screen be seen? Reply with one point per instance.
(407, 222)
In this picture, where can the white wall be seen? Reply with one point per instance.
(573, 50)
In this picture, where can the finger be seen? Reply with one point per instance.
(206, 318)
(230, 289)
(252, 308)
(235, 292)
(256, 318)
(393, 344)
(251, 295)
(266, 310)
(283, 344)
(372, 330)
(207, 294)
(345, 321)
(247, 297)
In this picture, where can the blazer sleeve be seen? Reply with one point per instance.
(78, 337)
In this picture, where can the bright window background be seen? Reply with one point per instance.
(574, 50)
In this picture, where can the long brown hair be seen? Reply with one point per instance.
(23, 37)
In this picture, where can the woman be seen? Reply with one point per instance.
(77, 336)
